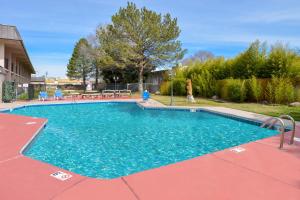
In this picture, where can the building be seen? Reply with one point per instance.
(156, 77)
(15, 65)
(64, 83)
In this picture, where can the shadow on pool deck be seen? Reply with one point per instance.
(262, 171)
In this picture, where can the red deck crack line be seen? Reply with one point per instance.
(69, 187)
(257, 172)
(9, 159)
(130, 188)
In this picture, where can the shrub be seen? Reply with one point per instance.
(23, 96)
(8, 91)
(269, 93)
(236, 90)
(256, 88)
(165, 88)
(204, 84)
(280, 90)
(31, 92)
(179, 87)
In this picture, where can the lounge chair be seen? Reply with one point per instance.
(58, 95)
(108, 93)
(91, 95)
(124, 93)
(43, 96)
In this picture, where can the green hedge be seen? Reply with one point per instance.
(179, 87)
(277, 90)
(232, 90)
(8, 91)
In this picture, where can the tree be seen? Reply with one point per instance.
(247, 63)
(141, 38)
(281, 61)
(80, 64)
(96, 55)
(200, 56)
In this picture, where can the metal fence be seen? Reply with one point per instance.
(134, 87)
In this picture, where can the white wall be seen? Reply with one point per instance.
(2, 60)
(2, 54)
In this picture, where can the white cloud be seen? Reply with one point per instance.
(271, 17)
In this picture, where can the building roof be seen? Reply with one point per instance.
(38, 79)
(11, 33)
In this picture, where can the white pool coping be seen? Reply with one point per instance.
(150, 104)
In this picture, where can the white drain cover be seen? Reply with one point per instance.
(296, 139)
(30, 123)
(61, 175)
(238, 149)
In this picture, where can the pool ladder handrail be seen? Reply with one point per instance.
(273, 120)
(288, 117)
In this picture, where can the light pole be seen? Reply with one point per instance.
(171, 75)
(115, 79)
(46, 74)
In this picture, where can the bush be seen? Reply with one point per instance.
(179, 87)
(204, 84)
(8, 92)
(165, 88)
(23, 96)
(256, 88)
(31, 92)
(280, 90)
(236, 90)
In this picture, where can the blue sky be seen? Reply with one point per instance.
(51, 28)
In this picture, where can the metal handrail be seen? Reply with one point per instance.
(294, 126)
(266, 122)
(282, 131)
(282, 127)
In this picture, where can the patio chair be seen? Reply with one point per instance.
(43, 96)
(58, 95)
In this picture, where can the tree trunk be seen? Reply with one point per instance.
(141, 79)
(96, 77)
(84, 79)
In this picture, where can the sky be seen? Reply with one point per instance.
(225, 27)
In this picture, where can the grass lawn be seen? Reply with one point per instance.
(271, 110)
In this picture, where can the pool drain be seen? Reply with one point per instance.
(238, 149)
(62, 176)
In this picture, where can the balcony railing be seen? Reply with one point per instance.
(14, 77)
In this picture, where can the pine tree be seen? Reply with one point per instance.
(80, 64)
(141, 38)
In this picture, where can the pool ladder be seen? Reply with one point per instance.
(271, 122)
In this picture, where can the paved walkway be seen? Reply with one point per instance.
(260, 172)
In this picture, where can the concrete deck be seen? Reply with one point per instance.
(261, 172)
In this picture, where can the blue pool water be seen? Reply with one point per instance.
(109, 140)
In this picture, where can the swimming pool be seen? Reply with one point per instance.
(110, 140)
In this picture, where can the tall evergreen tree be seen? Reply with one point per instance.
(80, 64)
(141, 38)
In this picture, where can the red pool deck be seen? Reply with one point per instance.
(261, 172)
